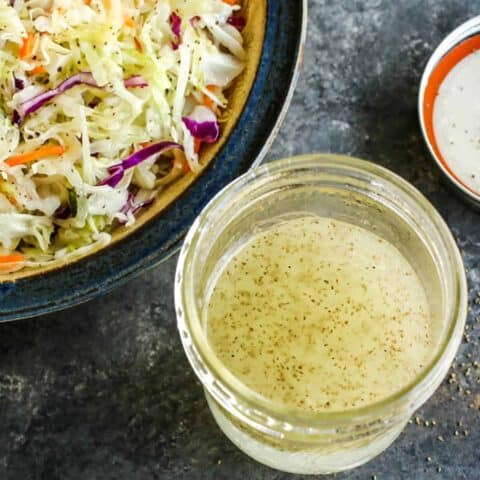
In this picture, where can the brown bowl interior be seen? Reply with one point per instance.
(256, 14)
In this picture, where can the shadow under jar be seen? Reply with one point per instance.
(352, 192)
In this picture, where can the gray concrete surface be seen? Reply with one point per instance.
(104, 391)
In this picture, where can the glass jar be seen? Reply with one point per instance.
(346, 189)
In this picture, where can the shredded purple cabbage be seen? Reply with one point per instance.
(129, 205)
(19, 83)
(117, 171)
(133, 207)
(30, 106)
(84, 78)
(203, 125)
(237, 21)
(116, 174)
(136, 81)
(16, 120)
(63, 212)
(176, 25)
(138, 206)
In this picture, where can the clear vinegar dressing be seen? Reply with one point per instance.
(319, 314)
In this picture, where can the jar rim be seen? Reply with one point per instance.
(229, 391)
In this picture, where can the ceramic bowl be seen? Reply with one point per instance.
(258, 105)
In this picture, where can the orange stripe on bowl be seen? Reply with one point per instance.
(444, 67)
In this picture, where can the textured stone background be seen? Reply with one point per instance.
(104, 391)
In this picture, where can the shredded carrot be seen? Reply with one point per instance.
(143, 145)
(208, 102)
(138, 44)
(48, 151)
(9, 261)
(231, 2)
(38, 70)
(129, 22)
(27, 45)
(198, 145)
(185, 166)
(88, 2)
(180, 162)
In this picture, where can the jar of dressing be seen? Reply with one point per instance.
(320, 300)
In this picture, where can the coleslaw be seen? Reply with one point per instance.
(103, 104)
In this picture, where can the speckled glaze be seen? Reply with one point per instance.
(156, 241)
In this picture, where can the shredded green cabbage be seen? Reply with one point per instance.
(53, 206)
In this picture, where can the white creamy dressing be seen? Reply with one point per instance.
(456, 120)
